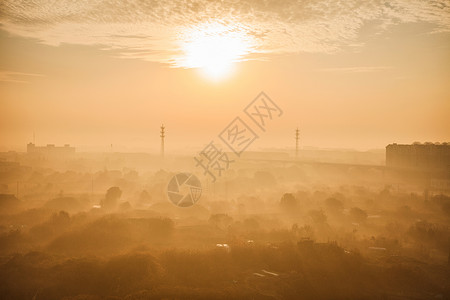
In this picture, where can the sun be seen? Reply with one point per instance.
(214, 49)
(214, 55)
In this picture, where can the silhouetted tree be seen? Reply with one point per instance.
(111, 198)
(288, 202)
(334, 204)
(221, 221)
(358, 215)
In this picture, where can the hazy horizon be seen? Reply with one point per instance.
(361, 75)
(224, 149)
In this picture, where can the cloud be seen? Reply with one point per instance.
(359, 69)
(158, 30)
(17, 77)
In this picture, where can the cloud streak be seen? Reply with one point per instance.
(17, 77)
(158, 30)
(369, 69)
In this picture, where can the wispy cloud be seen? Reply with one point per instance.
(156, 30)
(17, 77)
(360, 69)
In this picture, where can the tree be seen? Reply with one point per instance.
(334, 204)
(221, 221)
(358, 215)
(111, 198)
(288, 202)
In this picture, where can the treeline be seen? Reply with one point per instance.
(83, 234)
(303, 270)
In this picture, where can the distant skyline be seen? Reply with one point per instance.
(350, 74)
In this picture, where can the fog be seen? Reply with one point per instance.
(102, 226)
(224, 149)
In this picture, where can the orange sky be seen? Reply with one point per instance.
(350, 77)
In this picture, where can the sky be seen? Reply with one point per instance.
(349, 74)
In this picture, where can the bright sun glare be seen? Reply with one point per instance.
(214, 49)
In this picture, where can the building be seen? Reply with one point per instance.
(50, 151)
(425, 157)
